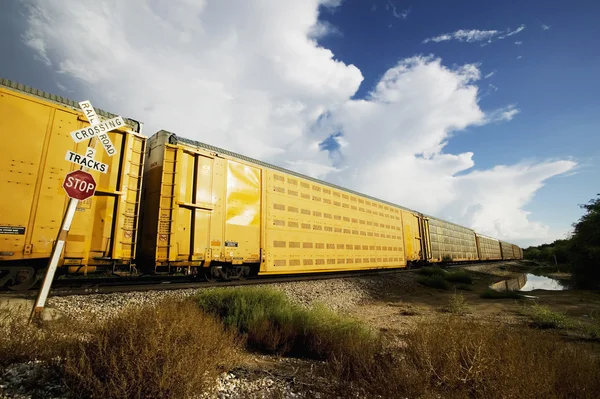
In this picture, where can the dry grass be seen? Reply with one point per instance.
(23, 341)
(172, 349)
(456, 358)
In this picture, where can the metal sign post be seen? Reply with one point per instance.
(79, 185)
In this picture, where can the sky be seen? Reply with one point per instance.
(484, 113)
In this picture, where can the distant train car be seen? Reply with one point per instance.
(507, 250)
(232, 216)
(488, 248)
(450, 242)
(35, 128)
(517, 252)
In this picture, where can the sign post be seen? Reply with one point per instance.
(79, 185)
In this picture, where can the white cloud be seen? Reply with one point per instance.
(505, 114)
(474, 35)
(518, 42)
(251, 78)
(463, 35)
(397, 14)
(519, 57)
(545, 27)
(489, 75)
(514, 32)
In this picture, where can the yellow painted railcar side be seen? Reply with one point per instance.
(489, 248)
(507, 250)
(312, 227)
(412, 231)
(198, 207)
(517, 253)
(206, 206)
(451, 242)
(35, 129)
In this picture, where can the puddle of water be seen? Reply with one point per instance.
(529, 282)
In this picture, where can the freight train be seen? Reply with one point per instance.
(173, 205)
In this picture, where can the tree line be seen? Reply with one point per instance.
(580, 253)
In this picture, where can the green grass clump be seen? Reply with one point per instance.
(273, 324)
(493, 294)
(459, 276)
(543, 317)
(431, 271)
(434, 281)
(457, 304)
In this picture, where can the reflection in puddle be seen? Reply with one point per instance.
(528, 282)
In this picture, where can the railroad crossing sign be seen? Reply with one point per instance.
(97, 128)
(86, 161)
(79, 185)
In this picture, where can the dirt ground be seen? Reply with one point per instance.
(393, 310)
(398, 303)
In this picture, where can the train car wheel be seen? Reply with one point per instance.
(24, 278)
(208, 274)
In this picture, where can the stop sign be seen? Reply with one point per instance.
(79, 185)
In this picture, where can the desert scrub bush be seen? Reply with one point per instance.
(454, 357)
(457, 304)
(434, 281)
(431, 271)
(19, 340)
(459, 276)
(171, 349)
(23, 341)
(543, 317)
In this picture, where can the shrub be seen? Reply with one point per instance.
(271, 323)
(434, 281)
(171, 349)
(459, 276)
(23, 341)
(543, 317)
(431, 271)
(19, 340)
(457, 304)
(493, 294)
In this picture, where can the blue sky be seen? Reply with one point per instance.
(500, 136)
(555, 84)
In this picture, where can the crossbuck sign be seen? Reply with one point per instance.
(79, 185)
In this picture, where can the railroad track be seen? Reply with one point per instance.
(107, 286)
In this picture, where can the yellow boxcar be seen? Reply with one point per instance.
(204, 206)
(450, 242)
(35, 128)
(414, 243)
(517, 252)
(488, 248)
(507, 250)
